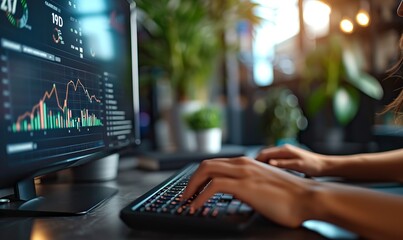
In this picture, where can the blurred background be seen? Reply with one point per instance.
(307, 72)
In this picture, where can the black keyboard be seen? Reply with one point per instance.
(162, 208)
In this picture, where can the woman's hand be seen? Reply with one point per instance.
(279, 196)
(294, 158)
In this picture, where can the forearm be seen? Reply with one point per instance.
(386, 166)
(371, 214)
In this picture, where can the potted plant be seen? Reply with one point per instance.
(185, 41)
(335, 72)
(206, 124)
(334, 83)
(281, 116)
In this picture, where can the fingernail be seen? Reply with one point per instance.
(273, 162)
(191, 209)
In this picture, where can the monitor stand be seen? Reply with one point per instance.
(53, 200)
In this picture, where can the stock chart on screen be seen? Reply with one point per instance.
(60, 72)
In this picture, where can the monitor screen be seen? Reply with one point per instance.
(68, 83)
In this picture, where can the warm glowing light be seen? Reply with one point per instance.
(39, 233)
(346, 25)
(316, 11)
(316, 17)
(362, 18)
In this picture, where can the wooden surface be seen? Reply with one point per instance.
(104, 222)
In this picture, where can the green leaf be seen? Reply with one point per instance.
(351, 63)
(361, 80)
(316, 101)
(345, 104)
(367, 84)
(204, 118)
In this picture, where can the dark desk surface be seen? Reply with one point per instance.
(104, 222)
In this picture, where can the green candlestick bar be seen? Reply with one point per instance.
(45, 119)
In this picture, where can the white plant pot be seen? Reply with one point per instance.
(183, 137)
(209, 140)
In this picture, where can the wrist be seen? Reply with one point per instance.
(336, 165)
(314, 209)
(328, 164)
(333, 165)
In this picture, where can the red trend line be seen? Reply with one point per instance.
(48, 95)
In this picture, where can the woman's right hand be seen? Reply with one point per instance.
(294, 158)
(282, 197)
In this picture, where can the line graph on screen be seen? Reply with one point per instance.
(40, 117)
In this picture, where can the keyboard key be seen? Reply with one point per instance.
(232, 209)
(180, 210)
(205, 211)
(170, 207)
(245, 209)
(227, 197)
(233, 206)
(215, 213)
(222, 204)
(164, 210)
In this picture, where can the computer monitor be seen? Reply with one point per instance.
(68, 89)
